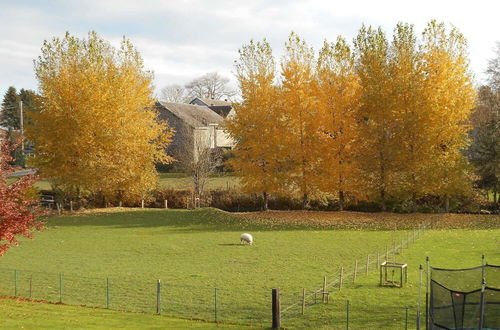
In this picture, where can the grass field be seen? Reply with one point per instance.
(18, 314)
(194, 252)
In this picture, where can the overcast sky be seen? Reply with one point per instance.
(182, 39)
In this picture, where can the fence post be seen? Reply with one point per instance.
(406, 319)
(158, 297)
(142, 203)
(419, 297)
(215, 305)
(427, 284)
(355, 271)
(347, 315)
(303, 300)
(166, 204)
(61, 287)
(276, 308)
(31, 285)
(367, 263)
(15, 282)
(71, 206)
(324, 290)
(107, 292)
(341, 275)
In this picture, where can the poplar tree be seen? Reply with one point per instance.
(96, 130)
(378, 125)
(339, 101)
(255, 125)
(300, 109)
(450, 97)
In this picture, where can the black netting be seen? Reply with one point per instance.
(458, 299)
(491, 316)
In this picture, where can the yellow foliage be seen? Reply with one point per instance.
(97, 130)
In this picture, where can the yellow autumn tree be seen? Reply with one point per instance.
(96, 131)
(378, 125)
(339, 102)
(254, 127)
(450, 97)
(413, 142)
(300, 110)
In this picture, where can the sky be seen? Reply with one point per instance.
(184, 39)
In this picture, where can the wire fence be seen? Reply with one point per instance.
(295, 304)
(248, 305)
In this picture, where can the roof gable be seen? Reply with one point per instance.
(193, 115)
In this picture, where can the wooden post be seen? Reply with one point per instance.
(324, 289)
(71, 206)
(166, 204)
(276, 309)
(355, 271)
(303, 301)
(158, 297)
(142, 203)
(341, 275)
(367, 263)
(120, 204)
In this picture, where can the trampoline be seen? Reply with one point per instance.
(464, 298)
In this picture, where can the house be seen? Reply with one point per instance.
(222, 108)
(197, 127)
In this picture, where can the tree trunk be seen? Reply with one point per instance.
(265, 201)
(305, 201)
(341, 200)
(383, 203)
(447, 204)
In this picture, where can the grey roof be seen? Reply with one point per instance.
(210, 102)
(193, 115)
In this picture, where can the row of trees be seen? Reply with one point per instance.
(372, 120)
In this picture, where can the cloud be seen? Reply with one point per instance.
(182, 39)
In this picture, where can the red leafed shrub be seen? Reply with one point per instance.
(19, 212)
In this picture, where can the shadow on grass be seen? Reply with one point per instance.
(231, 244)
(200, 220)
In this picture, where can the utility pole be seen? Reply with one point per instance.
(21, 123)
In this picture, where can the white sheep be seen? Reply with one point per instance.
(246, 238)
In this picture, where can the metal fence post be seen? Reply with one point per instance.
(419, 298)
(158, 297)
(61, 290)
(215, 305)
(15, 282)
(31, 285)
(347, 315)
(276, 309)
(406, 319)
(107, 292)
(303, 300)
(341, 275)
(355, 271)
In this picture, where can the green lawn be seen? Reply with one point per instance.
(16, 314)
(194, 252)
(172, 181)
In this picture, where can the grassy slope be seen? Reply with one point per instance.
(15, 314)
(194, 251)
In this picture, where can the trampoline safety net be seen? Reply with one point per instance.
(465, 298)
